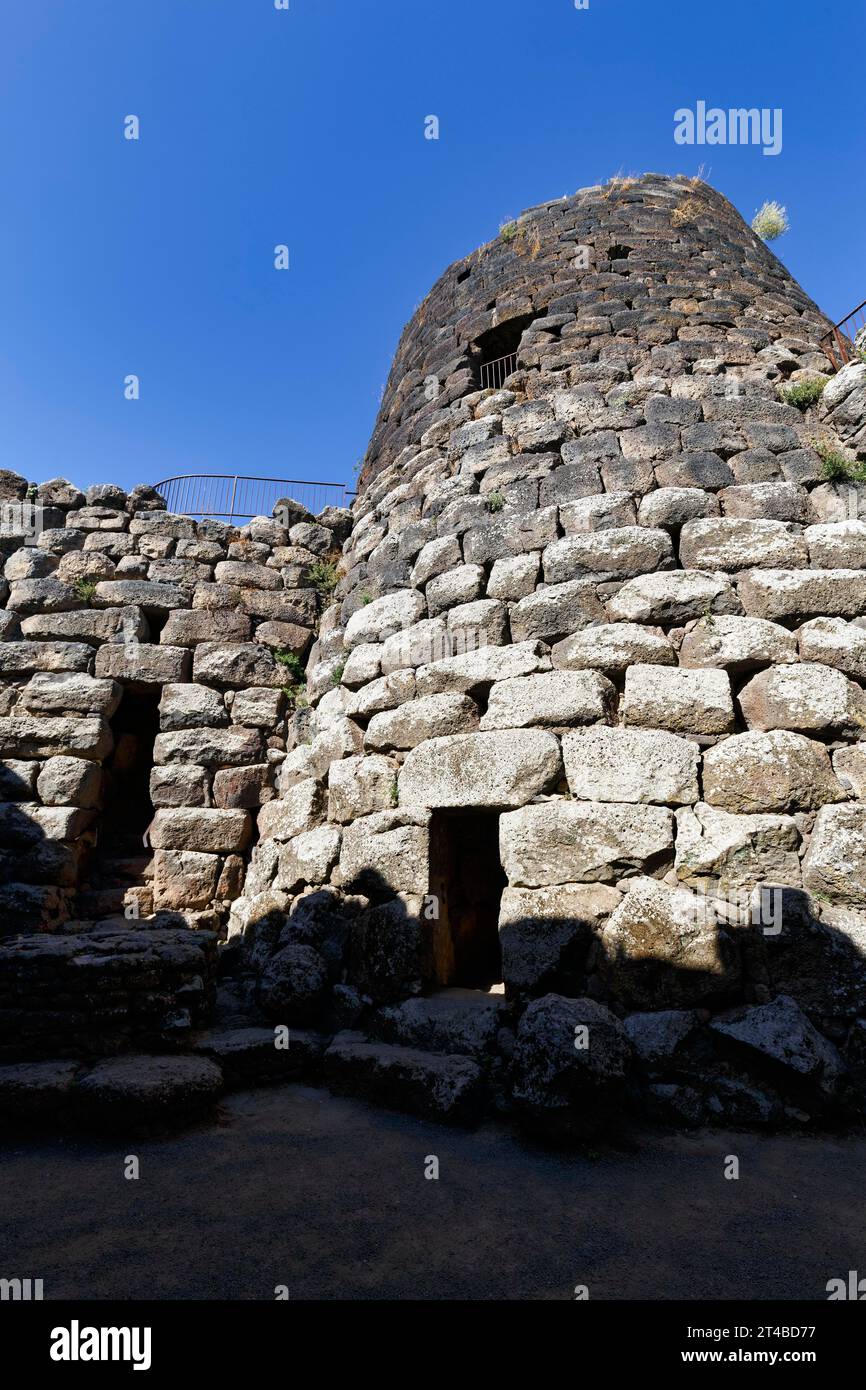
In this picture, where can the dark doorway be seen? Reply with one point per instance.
(467, 879)
(122, 861)
(494, 353)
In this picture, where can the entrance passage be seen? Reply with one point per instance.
(467, 879)
(122, 862)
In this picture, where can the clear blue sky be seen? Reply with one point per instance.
(306, 127)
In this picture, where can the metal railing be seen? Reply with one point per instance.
(839, 342)
(494, 373)
(232, 497)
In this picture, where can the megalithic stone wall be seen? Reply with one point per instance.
(619, 602)
(106, 594)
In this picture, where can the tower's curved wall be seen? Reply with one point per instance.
(610, 616)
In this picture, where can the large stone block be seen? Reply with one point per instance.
(70, 782)
(550, 697)
(556, 611)
(207, 831)
(41, 736)
(581, 841)
(664, 948)
(434, 716)
(70, 693)
(803, 697)
(613, 647)
(672, 597)
(358, 786)
(779, 771)
(835, 862)
(564, 1091)
(144, 662)
(619, 553)
(731, 543)
(376, 621)
(736, 643)
(631, 765)
(152, 598)
(474, 672)
(184, 880)
(188, 627)
(801, 594)
(20, 658)
(308, 858)
(179, 785)
(687, 701)
(545, 934)
(386, 852)
(209, 747)
(833, 642)
(505, 768)
(733, 851)
(237, 664)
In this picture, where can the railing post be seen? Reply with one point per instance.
(232, 498)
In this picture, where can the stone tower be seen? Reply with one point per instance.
(570, 820)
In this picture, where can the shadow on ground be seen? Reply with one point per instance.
(328, 1197)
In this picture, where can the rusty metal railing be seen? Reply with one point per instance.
(839, 342)
(493, 374)
(233, 497)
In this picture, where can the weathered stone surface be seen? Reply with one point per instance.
(780, 1035)
(462, 584)
(849, 765)
(19, 658)
(245, 787)
(358, 786)
(581, 841)
(475, 671)
(70, 693)
(545, 933)
(385, 950)
(672, 597)
(36, 1091)
(688, 701)
(433, 1085)
(209, 747)
(732, 543)
(18, 780)
(656, 1037)
(837, 545)
(803, 697)
(433, 716)
(801, 594)
(385, 852)
(565, 1092)
(452, 1021)
(69, 782)
(178, 785)
(40, 596)
(549, 697)
(776, 771)
(40, 736)
(387, 692)
(236, 664)
(631, 765)
(672, 506)
(92, 625)
(259, 708)
(186, 627)
(556, 610)
(778, 501)
(308, 858)
(300, 808)
(209, 831)
(293, 985)
(598, 512)
(153, 598)
(141, 1090)
(835, 862)
(190, 707)
(664, 948)
(144, 662)
(735, 851)
(513, 577)
(251, 1056)
(611, 554)
(504, 768)
(613, 647)
(184, 879)
(833, 642)
(384, 616)
(736, 643)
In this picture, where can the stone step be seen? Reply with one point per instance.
(252, 1056)
(463, 1021)
(434, 1085)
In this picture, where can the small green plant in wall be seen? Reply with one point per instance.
(291, 661)
(84, 590)
(770, 221)
(803, 394)
(836, 466)
(495, 502)
(324, 575)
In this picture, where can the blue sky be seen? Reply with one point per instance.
(306, 127)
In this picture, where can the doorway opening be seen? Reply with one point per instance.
(122, 863)
(494, 353)
(467, 879)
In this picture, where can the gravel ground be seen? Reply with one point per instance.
(328, 1197)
